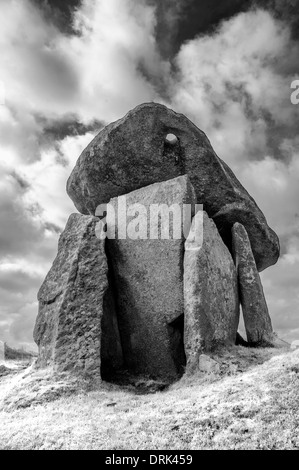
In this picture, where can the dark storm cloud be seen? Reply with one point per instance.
(286, 10)
(60, 12)
(55, 130)
(180, 21)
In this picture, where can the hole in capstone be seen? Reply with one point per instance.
(171, 139)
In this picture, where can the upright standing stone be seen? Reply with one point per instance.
(2, 351)
(148, 276)
(71, 301)
(210, 292)
(255, 311)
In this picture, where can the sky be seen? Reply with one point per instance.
(67, 68)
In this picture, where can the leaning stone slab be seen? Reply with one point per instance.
(210, 293)
(255, 311)
(134, 152)
(71, 301)
(148, 277)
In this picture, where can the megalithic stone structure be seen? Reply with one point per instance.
(148, 281)
(134, 152)
(255, 311)
(72, 299)
(210, 292)
(145, 304)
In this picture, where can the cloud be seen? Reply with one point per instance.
(116, 55)
(110, 65)
(228, 83)
(96, 73)
(60, 11)
(181, 20)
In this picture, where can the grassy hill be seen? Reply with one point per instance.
(18, 354)
(251, 402)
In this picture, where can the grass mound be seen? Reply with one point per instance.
(251, 402)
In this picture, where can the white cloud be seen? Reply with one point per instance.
(98, 73)
(275, 185)
(230, 85)
(47, 178)
(115, 50)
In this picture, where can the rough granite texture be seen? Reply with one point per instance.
(71, 302)
(148, 281)
(133, 152)
(210, 293)
(255, 311)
